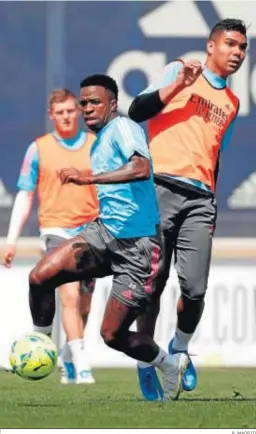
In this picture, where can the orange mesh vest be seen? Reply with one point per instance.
(185, 138)
(70, 205)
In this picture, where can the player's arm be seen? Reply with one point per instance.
(22, 204)
(131, 142)
(136, 169)
(176, 76)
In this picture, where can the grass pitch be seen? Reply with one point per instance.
(224, 398)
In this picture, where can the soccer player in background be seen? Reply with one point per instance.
(62, 213)
(124, 241)
(191, 113)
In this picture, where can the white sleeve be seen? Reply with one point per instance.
(20, 213)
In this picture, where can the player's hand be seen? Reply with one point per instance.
(74, 176)
(8, 255)
(189, 73)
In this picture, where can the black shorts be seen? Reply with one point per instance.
(133, 262)
(51, 242)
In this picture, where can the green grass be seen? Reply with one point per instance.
(115, 402)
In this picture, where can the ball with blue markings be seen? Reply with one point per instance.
(34, 356)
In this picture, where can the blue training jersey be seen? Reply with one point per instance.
(127, 210)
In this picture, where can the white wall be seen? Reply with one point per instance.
(226, 335)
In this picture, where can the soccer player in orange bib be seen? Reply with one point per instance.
(191, 113)
(62, 214)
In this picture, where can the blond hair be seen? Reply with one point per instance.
(60, 95)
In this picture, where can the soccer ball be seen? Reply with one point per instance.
(34, 356)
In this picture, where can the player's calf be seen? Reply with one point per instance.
(149, 383)
(115, 332)
(189, 314)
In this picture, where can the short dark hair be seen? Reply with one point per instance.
(229, 24)
(101, 80)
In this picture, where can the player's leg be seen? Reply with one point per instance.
(115, 331)
(73, 260)
(74, 360)
(86, 293)
(148, 380)
(135, 268)
(169, 205)
(194, 245)
(72, 320)
(146, 322)
(99, 267)
(83, 369)
(87, 289)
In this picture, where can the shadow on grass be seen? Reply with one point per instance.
(120, 399)
(244, 399)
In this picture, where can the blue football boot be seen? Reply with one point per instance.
(189, 380)
(150, 385)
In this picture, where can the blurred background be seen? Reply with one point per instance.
(55, 44)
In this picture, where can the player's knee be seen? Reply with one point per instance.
(70, 300)
(108, 335)
(36, 276)
(193, 288)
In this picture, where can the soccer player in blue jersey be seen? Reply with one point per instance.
(125, 240)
